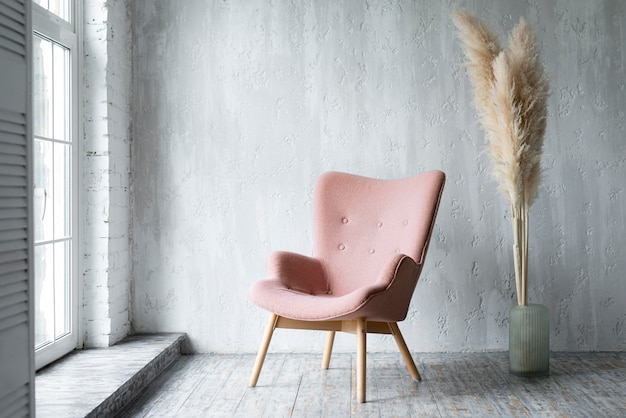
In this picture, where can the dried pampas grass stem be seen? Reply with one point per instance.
(510, 96)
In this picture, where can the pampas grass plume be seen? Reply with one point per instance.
(510, 96)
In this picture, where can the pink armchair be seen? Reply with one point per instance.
(369, 243)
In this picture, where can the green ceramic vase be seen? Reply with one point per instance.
(529, 340)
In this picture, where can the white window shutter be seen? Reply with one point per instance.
(17, 375)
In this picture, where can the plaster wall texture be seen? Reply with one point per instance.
(239, 106)
(105, 263)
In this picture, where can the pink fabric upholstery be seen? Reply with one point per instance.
(370, 240)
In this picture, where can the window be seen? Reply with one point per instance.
(55, 133)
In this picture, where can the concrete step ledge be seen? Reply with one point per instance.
(100, 382)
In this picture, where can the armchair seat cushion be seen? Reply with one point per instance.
(380, 301)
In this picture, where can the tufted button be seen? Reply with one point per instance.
(406, 222)
(344, 220)
(372, 251)
(380, 224)
(342, 247)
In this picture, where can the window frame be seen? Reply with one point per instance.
(68, 34)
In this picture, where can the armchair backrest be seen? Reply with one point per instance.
(360, 224)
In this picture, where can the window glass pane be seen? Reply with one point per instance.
(44, 294)
(62, 190)
(60, 91)
(43, 198)
(62, 280)
(60, 8)
(42, 87)
(42, 3)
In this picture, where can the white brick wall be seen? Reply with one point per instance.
(106, 263)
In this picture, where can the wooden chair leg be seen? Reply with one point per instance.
(361, 350)
(328, 349)
(260, 358)
(404, 350)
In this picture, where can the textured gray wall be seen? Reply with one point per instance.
(239, 106)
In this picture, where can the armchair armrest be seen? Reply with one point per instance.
(391, 293)
(297, 272)
(399, 268)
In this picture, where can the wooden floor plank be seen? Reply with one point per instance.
(227, 396)
(569, 389)
(495, 387)
(418, 395)
(456, 389)
(600, 383)
(184, 382)
(336, 391)
(210, 386)
(308, 401)
(255, 399)
(284, 391)
(386, 374)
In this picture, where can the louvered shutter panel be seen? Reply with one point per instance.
(17, 374)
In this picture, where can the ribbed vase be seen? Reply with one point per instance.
(529, 340)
